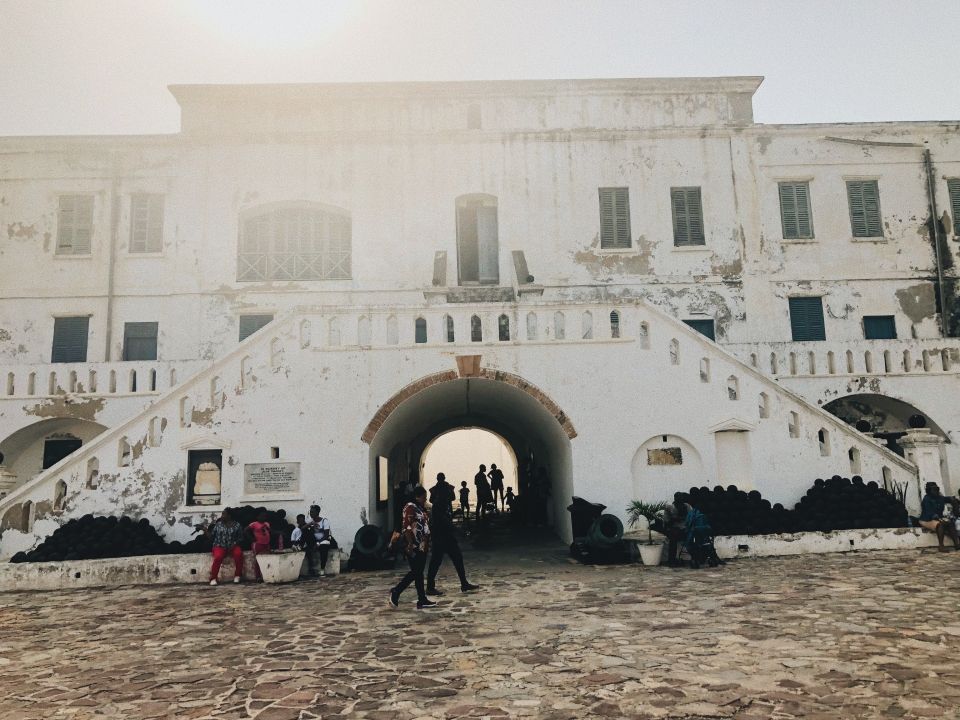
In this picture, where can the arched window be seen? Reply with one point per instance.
(419, 330)
(559, 326)
(586, 325)
(93, 473)
(614, 324)
(476, 329)
(448, 325)
(59, 495)
(644, 335)
(733, 387)
(303, 242)
(823, 437)
(364, 334)
(764, 405)
(674, 352)
(854, 455)
(704, 370)
(531, 326)
(503, 328)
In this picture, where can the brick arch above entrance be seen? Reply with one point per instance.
(428, 381)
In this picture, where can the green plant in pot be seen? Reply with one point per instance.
(650, 550)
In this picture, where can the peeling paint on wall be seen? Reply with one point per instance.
(918, 302)
(66, 406)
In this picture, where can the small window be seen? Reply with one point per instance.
(864, 199)
(806, 318)
(795, 213)
(953, 189)
(140, 341)
(763, 405)
(793, 425)
(503, 328)
(249, 324)
(614, 324)
(74, 224)
(531, 326)
(204, 469)
(70, 339)
(674, 352)
(687, 216)
(451, 336)
(146, 223)
(854, 455)
(879, 327)
(420, 330)
(704, 370)
(476, 329)
(559, 326)
(823, 438)
(614, 218)
(733, 388)
(704, 327)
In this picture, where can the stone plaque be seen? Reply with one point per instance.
(665, 456)
(271, 478)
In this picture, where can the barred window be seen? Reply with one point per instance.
(299, 243)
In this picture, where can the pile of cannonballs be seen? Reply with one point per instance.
(837, 503)
(840, 503)
(91, 537)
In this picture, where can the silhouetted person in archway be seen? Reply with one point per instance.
(543, 491)
(465, 501)
(484, 495)
(444, 540)
(496, 485)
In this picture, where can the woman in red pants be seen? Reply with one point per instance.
(226, 535)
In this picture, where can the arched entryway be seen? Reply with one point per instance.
(884, 417)
(42, 444)
(538, 432)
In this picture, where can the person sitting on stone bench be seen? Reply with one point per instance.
(932, 516)
(674, 525)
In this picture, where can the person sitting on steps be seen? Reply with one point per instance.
(932, 516)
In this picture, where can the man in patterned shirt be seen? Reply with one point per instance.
(416, 537)
(226, 535)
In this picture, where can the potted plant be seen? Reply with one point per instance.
(650, 550)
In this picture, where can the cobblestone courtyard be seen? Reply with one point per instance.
(843, 636)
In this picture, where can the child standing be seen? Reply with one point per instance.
(260, 529)
(465, 500)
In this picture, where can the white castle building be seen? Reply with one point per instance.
(633, 283)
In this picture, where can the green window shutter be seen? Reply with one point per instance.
(70, 339)
(864, 199)
(615, 218)
(687, 216)
(879, 327)
(806, 318)
(140, 341)
(249, 324)
(953, 188)
(795, 210)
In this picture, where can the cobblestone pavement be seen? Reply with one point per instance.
(843, 636)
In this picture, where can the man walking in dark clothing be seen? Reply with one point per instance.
(416, 538)
(444, 540)
(484, 494)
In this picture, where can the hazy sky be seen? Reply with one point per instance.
(102, 66)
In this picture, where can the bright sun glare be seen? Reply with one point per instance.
(286, 24)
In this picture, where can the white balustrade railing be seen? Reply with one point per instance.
(96, 378)
(855, 357)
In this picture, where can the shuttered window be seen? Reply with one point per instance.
(864, 199)
(879, 327)
(70, 339)
(146, 223)
(614, 218)
(687, 216)
(140, 341)
(74, 224)
(296, 243)
(806, 318)
(704, 327)
(249, 324)
(953, 187)
(795, 210)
